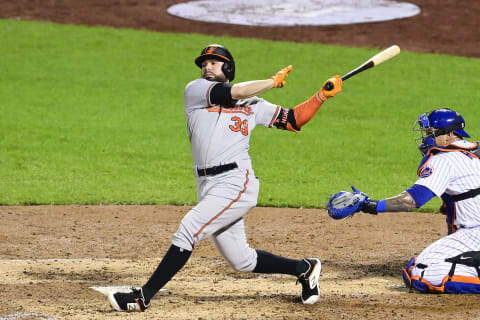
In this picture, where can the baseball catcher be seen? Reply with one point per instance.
(450, 170)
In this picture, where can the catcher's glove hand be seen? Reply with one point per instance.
(344, 204)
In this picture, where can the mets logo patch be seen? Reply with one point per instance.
(426, 172)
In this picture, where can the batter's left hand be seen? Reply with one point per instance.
(334, 81)
(279, 77)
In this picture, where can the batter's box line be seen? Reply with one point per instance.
(32, 282)
(61, 260)
(107, 289)
(27, 315)
(259, 277)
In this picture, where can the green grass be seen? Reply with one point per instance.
(95, 115)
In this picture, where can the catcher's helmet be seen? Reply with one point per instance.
(438, 122)
(221, 53)
(445, 120)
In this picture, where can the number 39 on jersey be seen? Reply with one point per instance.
(239, 125)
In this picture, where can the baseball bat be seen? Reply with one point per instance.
(374, 61)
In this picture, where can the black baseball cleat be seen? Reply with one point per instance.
(309, 281)
(133, 301)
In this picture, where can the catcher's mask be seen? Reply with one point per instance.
(216, 51)
(436, 123)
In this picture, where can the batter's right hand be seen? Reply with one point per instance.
(330, 92)
(279, 77)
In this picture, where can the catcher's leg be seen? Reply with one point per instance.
(448, 265)
(462, 284)
(407, 278)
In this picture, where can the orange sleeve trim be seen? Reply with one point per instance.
(274, 117)
(226, 208)
(305, 111)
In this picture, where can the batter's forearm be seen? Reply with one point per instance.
(249, 89)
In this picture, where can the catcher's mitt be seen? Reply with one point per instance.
(344, 204)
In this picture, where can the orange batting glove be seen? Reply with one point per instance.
(279, 77)
(330, 88)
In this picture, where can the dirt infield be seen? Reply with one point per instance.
(51, 256)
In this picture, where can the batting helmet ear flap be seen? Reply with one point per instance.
(219, 52)
(228, 69)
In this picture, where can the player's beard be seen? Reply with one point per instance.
(215, 78)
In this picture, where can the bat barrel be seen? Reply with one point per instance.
(379, 58)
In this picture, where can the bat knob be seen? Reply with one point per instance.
(329, 86)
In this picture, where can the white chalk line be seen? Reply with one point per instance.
(27, 315)
(108, 289)
(179, 279)
(57, 259)
(67, 260)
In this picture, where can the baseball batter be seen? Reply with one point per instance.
(450, 170)
(220, 119)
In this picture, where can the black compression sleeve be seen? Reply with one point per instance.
(221, 94)
(286, 116)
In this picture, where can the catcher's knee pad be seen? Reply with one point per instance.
(407, 278)
(452, 283)
(463, 284)
(415, 282)
(420, 286)
(418, 283)
(455, 284)
(463, 287)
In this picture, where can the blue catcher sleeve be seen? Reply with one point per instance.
(420, 194)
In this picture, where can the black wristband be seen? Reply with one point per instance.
(370, 207)
(286, 116)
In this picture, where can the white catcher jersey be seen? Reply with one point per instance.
(455, 173)
(218, 134)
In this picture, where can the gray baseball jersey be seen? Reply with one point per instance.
(220, 135)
